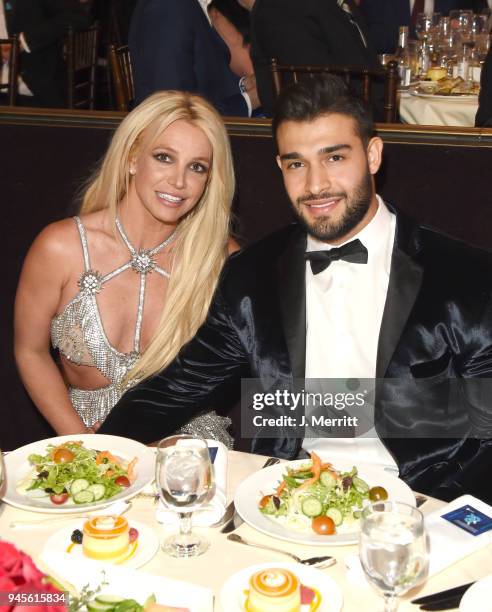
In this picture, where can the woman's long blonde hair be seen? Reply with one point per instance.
(201, 237)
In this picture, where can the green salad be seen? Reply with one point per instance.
(316, 497)
(84, 475)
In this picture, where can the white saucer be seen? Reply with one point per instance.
(232, 594)
(147, 544)
(478, 597)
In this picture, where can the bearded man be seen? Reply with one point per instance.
(353, 290)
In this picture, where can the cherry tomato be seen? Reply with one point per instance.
(63, 455)
(378, 494)
(323, 525)
(59, 498)
(122, 481)
(264, 501)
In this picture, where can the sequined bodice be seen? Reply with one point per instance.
(78, 332)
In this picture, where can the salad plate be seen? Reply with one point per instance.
(20, 472)
(265, 482)
(146, 548)
(233, 594)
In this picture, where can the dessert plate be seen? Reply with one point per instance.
(17, 468)
(233, 594)
(147, 545)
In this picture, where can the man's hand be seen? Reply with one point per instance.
(250, 84)
(5, 49)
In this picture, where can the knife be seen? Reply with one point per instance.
(449, 598)
(234, 522)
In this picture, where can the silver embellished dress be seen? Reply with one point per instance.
(78, 334)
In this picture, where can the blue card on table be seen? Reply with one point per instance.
(471, 520)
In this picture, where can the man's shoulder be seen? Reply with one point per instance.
(262, 257)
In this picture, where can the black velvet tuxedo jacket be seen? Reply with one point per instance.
(44, 24)
(437, 324)
(305, 32)
(173, 46)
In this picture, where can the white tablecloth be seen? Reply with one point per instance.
(225, 558)
(430, 111)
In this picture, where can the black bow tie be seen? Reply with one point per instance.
(354, 252)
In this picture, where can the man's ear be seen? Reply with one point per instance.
(279, 163)
(374, 154)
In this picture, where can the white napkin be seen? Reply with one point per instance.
(448, 543)
(213, 511)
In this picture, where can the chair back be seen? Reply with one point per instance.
(114, 25)
(284, 74)
(122, 76)
(12, 86)
(81, 54)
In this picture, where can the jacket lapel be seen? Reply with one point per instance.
(404, 285)
(292, 295)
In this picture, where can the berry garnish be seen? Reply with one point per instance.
(133, 534)
(307, 595)
(76, 536)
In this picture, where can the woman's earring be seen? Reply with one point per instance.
(132, 172)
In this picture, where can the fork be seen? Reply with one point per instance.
(320, 562)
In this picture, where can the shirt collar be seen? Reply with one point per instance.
(370, 235)
(204, 5)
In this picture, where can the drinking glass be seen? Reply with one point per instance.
(185, 480)
(393, 549)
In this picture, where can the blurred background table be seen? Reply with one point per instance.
(429, 111)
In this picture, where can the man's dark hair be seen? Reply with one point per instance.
(322, 94)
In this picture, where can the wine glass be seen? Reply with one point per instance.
(185, 480)
(393, 549)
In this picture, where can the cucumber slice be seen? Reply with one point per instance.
(360, 485)
(335, 515)
(98, 490)
(111, 600)
(311, 507)
(96, 606)
(78, 485)
(328, 479)
(83, 497)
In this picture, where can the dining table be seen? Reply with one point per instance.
(438, 110)
(224, 558)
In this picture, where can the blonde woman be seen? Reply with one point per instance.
(122, 287)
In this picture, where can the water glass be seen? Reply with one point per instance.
(185, 481)
(393, 549)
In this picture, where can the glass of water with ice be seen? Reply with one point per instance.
(185, 481)
(393, 549)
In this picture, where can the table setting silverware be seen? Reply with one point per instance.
(442, 600)
(319, 562)
(235, 520)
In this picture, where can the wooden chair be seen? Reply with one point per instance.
(12, 86)
(283, 74)
(81, 55)
(122, 76)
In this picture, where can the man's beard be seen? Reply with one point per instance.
(357, 207)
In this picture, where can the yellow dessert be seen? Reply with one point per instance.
(274, 590)
(106, 538)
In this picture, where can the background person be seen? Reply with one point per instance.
(396, 301)
(122, 288)
(42, 27)
(174, 46)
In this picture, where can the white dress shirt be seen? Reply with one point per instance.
(344, 310)
(4, 73)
